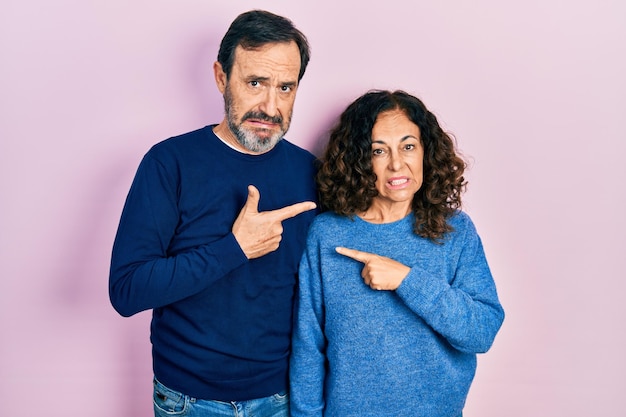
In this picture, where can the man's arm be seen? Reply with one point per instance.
(143, 275)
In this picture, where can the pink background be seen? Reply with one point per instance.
(534, 92)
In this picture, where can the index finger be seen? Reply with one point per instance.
(354, 254)
(293, 210)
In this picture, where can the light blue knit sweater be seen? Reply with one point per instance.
(409, 352)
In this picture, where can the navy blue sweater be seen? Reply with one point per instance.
(221, 323)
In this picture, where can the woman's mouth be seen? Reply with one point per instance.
(398, 182)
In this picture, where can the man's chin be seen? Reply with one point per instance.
(256, 143)
(267, 143)
(264, 134)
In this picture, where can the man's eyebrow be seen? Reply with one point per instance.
(260, 78)
(256, 78)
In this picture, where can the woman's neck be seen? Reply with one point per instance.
(385, 212)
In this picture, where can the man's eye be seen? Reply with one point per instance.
(285, 88)
(254, 83)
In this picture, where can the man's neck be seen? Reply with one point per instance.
(223, 132)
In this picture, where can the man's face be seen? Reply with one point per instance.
(260, 93)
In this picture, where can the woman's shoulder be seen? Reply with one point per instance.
(329, 222)
(329, 219)
(461, 223)
(459, 217)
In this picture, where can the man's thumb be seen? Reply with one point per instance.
(252, 203)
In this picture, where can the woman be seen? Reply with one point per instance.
(395, 296)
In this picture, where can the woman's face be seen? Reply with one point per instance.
(397, 159)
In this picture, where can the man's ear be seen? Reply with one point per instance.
(220, 77)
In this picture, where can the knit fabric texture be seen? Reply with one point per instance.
(408, 352)
(221, 324)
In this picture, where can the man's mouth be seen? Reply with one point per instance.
(262, 118)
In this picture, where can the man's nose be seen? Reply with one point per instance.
(269, 105)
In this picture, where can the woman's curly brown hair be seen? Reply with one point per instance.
(346, 179)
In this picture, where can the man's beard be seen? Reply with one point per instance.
(249, 138)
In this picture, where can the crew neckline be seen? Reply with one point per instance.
(395, 222)
(232, 151)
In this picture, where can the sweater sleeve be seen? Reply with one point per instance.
(464, 310)
(143, 275)
(308, 354)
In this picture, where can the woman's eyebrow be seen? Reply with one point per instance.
(382, 142)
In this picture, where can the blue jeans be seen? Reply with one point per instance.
(168, 403)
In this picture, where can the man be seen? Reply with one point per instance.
(212, 232)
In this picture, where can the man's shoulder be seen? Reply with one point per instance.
(181, 146)
(184, 139)
(296, 150)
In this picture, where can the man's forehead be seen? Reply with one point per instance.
(268, 58)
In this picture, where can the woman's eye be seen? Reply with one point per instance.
(377, 152)
(409, 147)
